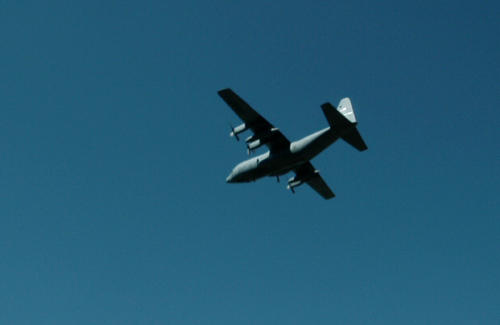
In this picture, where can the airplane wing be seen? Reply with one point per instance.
(311, 176)
(263, 131)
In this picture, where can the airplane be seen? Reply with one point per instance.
(284, 156)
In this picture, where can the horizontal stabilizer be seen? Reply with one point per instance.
(354, 139)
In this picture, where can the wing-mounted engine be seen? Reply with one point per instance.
(264, 132)
(237, 130)
(299, 180)
(257, 140)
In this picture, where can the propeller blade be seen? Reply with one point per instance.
(233, 133)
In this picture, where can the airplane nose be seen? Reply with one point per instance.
(229, 179)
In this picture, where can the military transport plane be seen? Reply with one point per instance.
(285, 156)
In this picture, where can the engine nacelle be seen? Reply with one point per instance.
(293, 183)
(254, 145)
(263, 137)
(255, 141)
(237, 130)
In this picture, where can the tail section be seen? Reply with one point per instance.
(343, 121)
(354, 139)
(345, 107)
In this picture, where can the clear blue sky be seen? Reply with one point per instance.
(114, 151)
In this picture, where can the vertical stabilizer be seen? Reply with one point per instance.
(345, 107)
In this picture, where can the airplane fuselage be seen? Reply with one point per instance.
(284, 161)
(284, 156)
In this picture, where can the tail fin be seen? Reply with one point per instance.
(345, 107)
(343, 121)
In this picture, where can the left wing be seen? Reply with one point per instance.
(264, 132)
(306, 173)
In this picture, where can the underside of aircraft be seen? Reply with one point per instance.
(284, 156)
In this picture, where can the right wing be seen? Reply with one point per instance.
(313, 179)
(261, 128)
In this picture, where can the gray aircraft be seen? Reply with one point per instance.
(285, 156)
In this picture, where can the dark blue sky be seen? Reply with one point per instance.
(114, 150)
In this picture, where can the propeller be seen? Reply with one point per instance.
(233, 133)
